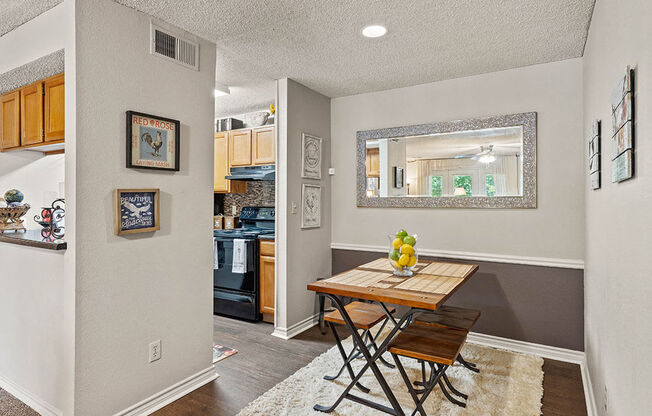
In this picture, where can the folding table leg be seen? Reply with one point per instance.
(345, 358)
(406, 379)
(453, 389)
(370, 363)
(467, 364)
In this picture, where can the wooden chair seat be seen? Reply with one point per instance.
(430, 343)
(450, 317)
(364, 315)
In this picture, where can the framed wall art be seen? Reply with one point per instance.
(594, 155)
(399, 177)
(152, 142)
(136, 211)
(310, 206)
(622, 118)
(310, 156)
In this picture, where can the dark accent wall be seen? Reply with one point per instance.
(544, 305)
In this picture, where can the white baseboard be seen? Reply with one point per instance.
(32, 400)
(294, 330)
(462, 255)
(543, 351)
(170, 394)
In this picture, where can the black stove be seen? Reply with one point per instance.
(235, 287)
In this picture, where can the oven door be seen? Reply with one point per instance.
(223, 276)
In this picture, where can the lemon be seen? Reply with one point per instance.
(412, 262)
(397, 243)
(407, 249)
(398, 266)
(404, 260)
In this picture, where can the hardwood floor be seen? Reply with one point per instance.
(263, 360)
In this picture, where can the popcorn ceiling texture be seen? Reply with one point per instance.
(44, 67)
(14, 13)
(319, 44)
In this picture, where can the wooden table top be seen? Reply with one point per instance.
(430, 286)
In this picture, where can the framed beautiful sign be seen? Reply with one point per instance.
(136, 211)
(152, 142)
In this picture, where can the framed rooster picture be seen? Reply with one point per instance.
(136, 211)
(152, 142)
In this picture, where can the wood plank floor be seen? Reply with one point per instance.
(263, 360)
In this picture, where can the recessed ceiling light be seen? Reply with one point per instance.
(374, 31)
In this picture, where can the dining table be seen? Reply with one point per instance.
(431, 284)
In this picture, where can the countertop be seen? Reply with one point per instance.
(267, 237)
(31, 238)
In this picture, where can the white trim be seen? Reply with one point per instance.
(294, 330)
(462, 255)
(32, 400)
(543, 351)
(170, 394)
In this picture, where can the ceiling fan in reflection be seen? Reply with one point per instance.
(484, 156)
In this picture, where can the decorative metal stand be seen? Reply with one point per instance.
(51, 219)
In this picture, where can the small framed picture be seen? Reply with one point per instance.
(399, 177)
(310, 156)
(152, 142)
(310, 206)
(136, 211)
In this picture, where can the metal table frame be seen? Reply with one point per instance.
(370, 359)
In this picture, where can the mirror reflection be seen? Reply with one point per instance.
(484, 163)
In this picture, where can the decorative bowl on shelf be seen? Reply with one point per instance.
(258, 119)
(10, 218)
(402, 255)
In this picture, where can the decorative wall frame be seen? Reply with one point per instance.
(594, 154)
(152, 142)
(310, 206)
(311, 148)
(622, 118)
(136, 211)
(528, 199)
(399, 177)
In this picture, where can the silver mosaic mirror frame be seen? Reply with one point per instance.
(528, 121)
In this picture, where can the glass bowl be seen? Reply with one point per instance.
(404, 258)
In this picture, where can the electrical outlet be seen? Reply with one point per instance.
(234, 209)
(155, 351)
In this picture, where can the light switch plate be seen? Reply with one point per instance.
(294, 207)
(331, 171)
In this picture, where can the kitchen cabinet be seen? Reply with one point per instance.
(373, 163)
(31, 114)
(54, 114)
(266, 279)
(34, 116)
(263, 146)
(221, 159)
(240, 147)
(10, 120)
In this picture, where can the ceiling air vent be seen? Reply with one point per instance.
(168, 45)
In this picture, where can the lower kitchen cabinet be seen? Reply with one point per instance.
(266, 279)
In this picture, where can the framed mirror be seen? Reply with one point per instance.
(480, 163)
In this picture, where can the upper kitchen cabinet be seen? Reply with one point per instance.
(240, 147)
(31, 115)
(10, 120)
(221, 159)
(263, 146)
(54, 115)
(34, 116)
(373, 163)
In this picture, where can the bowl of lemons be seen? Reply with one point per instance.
(402, 254)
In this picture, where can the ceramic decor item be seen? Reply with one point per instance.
(258, 119)
(402, 254)
(14, 195)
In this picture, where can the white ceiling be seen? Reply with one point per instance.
(14, 13)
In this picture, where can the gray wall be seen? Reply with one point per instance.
(155, 286)
(618, 220)
(554, 230)
(536, 304)
(304, 255)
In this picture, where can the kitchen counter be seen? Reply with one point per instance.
(267, 237)
(31, 238)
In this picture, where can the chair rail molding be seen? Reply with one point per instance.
(577, 264)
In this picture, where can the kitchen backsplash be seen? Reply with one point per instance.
(259, 193)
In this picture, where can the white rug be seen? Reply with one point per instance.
(508, 384)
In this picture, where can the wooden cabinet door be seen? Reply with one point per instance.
(267, 285)
(240, 148)
(55, 108)
(221, 156)
(31, 114)
(263, 146)
(10, 120)
(373, 163)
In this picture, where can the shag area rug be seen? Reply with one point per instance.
(11, 406)
(508, 384)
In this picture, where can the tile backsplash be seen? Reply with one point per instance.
(259, 193)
